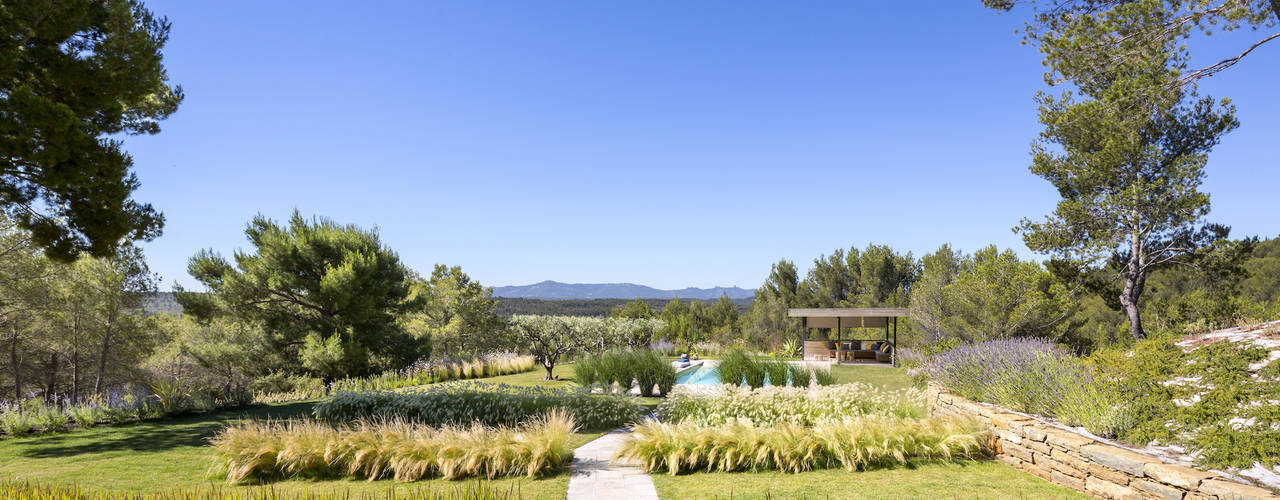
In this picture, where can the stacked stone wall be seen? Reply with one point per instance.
(1087, 465)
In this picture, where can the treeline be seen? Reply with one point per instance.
(313, 301)
(511, 306)
(991, 293)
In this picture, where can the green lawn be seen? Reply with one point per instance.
(886, 377)
(173, 453)
(985, 479)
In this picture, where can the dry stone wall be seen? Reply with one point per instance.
(1084, 464)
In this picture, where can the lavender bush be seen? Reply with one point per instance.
(1032, 376)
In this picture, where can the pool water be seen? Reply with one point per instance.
(704, 375)
(699, 375)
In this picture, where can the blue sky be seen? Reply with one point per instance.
(670, 144)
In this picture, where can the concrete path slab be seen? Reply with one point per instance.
(596, 476)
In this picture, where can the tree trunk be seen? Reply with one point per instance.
(75, 360)
(13, 361)
(51, 382)
(1135, 279)
(102, 359)
(549, 366)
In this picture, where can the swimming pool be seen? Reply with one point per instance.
(704, 374)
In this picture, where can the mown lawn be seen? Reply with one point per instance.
(172, 453)
(986, 479)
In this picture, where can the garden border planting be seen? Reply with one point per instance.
(1083, 463)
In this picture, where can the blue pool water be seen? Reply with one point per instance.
(699, 375)
(703, 375)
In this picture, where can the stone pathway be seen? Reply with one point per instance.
(596, 476)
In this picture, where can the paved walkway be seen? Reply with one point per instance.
(596, 476)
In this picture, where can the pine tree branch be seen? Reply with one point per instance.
(1227, 63)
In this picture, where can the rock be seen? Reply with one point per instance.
(1132, 463)
(1177, 475)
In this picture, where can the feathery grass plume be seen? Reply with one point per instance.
(394, 448)
(853, 444)
(795, 405)
(12, 490)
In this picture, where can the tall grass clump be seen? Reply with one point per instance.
(801, 375)
(395, 449)
(823, 376)
(13, 490)
(793, 405)
(1032, 376)
(464, 403)
(853, 444)
(733, 367)
(622, 369)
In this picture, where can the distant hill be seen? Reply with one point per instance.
(554, 290)
(508, 306)
(161, 303)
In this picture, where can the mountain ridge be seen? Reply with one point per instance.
(555, 290)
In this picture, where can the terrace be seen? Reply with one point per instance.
(856, 350)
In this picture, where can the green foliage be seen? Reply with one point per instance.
(1209, 399)
(622, 368)
(456, 314)
(733, 367)
(823, 377)
(800, 376)
(73, 75)
(393, 449)
(854, 444)
(461, 403)
(636, 309)
(795, 405)
(328, 294)
(988, 295)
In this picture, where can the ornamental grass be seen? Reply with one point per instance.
(395, 449)
(852, 444)
(13, 490)
(464, 403)
(794, 405)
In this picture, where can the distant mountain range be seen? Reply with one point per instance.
(554, 290)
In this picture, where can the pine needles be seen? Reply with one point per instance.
(394, 449)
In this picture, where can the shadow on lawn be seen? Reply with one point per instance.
(155, 435)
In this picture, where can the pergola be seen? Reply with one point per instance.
(847, 317)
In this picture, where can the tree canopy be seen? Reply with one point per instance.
(73, 73)
(328, 293)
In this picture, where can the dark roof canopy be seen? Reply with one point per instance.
(848, 317)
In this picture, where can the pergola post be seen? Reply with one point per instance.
(894, 355)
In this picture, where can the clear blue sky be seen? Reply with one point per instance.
(670, 144)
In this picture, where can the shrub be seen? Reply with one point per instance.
(853, 443)
(795, 405)
(464, 403)
(393, 449)
(1033, 376)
